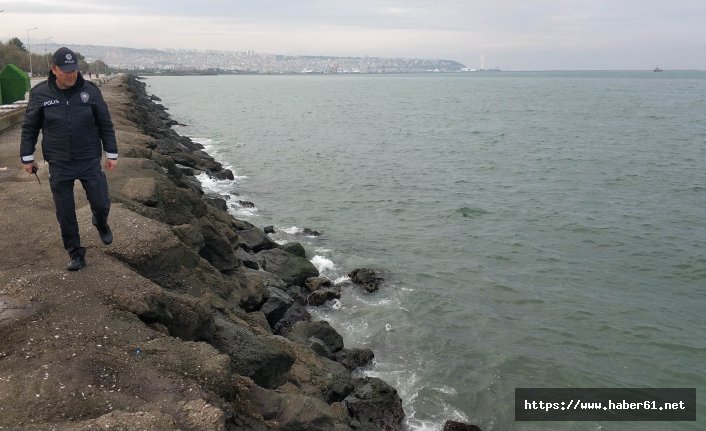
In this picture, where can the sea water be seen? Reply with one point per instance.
(534, 229)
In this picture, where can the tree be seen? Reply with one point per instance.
(11, 53)
(18, 43)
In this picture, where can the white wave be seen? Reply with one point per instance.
(322, 250)
(341, 280)
(237, 210)
(291, 230)
(446, 390)
(323, 264)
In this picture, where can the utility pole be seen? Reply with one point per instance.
(29, 50)
(45, 50)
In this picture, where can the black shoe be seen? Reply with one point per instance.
(76, 263)
(106, 234)
(104, 231)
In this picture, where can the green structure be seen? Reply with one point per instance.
(14, 83)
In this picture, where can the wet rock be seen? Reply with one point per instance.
(292, 269)
(374, 402)
(316, 283)
(297, 293)
(319, 347)
(246, 204)
(269, 229)
(303, 332)
(322, 296)
(310, 232)
(295, 313)
(354, 358)
(223, 174)
(216, 202)
(295, 248)
(459, 426)
(188, 170)
(255, 240)
(189, 182)
(276, 305)
(366, 277)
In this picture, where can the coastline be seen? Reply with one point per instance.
(191, 320)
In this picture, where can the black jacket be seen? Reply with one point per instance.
(74, 122)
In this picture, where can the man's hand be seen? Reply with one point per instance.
(110, 164)
(29, 166)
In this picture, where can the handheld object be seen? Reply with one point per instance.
(34, 171)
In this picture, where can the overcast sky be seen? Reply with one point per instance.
(511, 34)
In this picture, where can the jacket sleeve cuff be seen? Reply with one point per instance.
(28, 159)
(112, 156)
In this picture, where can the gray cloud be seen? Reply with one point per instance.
(512, 34)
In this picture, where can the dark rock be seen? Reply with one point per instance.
(252, 355)
(290, 268)
(216, 202)
(183, 155)
(155, 98)
(191, 183)
(374, 402)
(247, 259)
(310, 232)
(190, 235)
(459, 426)
(366, 277)
(255, 240)
(319, 347)
(295, 313)
(321, 296)
(354, 358)
(180, 205)
(316, 283)
(246, 204)
(223, 174)
(217, 248)
(295, 412)
(183, 315)
(297, 293)
(302, 332)
(253, 293)
(295, 248)
(187, 170)
(276, 305)
(269, 229)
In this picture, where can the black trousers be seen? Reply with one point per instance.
(61, 179)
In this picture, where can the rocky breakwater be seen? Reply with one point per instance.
(192, 319)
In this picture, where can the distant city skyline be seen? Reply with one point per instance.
(511, 35)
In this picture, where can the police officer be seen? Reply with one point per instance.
(76, 128)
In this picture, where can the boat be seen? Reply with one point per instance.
(657, 69)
